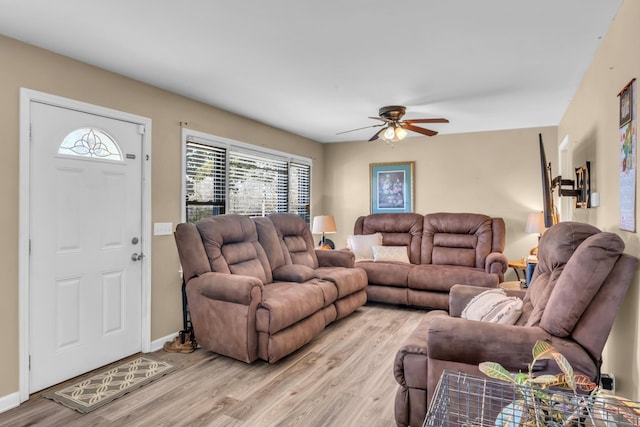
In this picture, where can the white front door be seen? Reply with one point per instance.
(85, 241)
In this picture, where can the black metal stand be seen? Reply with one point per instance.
(186, 319)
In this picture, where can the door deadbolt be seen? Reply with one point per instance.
(135, 241)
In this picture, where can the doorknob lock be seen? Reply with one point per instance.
(136, 257)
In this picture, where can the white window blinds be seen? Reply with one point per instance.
(205, 181)
(257, 184)
(228, 179)
(300, 189)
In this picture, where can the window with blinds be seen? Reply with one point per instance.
(205, 180)
(228, 179)
(300, 190)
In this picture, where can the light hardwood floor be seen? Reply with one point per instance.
(344, 377)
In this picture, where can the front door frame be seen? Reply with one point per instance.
(26, 97)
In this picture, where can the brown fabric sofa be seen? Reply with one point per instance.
(579, 283)
(444, 249)
(257, 288)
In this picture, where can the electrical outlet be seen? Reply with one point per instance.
(162, 228)
(608, 383)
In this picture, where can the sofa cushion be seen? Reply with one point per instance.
(444, 253)
(293, 273)
(296, 239)
(493, 305)
(581, 279)
(554, 251)
(397, 229)
(347, 281)
(270, 241)
(390, 254)
(443, 277)
(285, 303)
(362, 245)
(386, 273)
(463, 239)
(232, 246)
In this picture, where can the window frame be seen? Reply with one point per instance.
(189, 135)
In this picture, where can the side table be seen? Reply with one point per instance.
(518, 265)
(516, 285)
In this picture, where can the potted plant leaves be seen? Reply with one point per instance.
(565, 399)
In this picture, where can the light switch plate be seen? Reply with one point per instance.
(162, 228)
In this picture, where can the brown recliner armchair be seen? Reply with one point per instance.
(579, 283)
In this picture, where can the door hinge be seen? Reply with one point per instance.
(141, 129)
(29, 362)
(29, 246)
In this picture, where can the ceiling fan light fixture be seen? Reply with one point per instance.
(394, 129)
(393, 133)
(390, 133)
(400, 133)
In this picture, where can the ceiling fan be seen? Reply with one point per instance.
(395, 129)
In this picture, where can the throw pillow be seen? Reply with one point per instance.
(390, 253)
(494, 306)
(361, 245)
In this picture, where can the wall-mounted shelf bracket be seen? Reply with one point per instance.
(580, 188)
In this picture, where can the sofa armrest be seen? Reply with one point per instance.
(460, 295)
(337, 258)
(496, 263)
(234, 288)
(473, 342)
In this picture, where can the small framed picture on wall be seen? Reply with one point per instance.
(626, 106)
(391, 187)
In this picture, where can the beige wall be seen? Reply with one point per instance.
(494, 173)
(591, 123)
(26, 66)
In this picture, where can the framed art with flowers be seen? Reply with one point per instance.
(391, 187)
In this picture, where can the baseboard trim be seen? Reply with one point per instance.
(157, 344)
(9, 401)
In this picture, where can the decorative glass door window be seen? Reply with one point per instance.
(92, 143)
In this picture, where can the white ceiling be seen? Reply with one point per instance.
(316, 68)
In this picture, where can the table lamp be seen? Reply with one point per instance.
(535, 224)
(324, 224)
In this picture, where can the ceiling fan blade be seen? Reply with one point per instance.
(417, 129)
(366, 127)
(426, 121)
(381, 118)
(377, 135)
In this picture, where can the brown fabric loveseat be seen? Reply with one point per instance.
(257, 288)
(443, 249)
(580, 281)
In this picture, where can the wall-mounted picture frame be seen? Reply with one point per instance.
(392, 187)
(626, 105)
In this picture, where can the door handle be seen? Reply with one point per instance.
(136, 257)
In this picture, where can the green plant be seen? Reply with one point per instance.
(539, 405)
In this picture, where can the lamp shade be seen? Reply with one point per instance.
(535, 223)
(323, 224)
